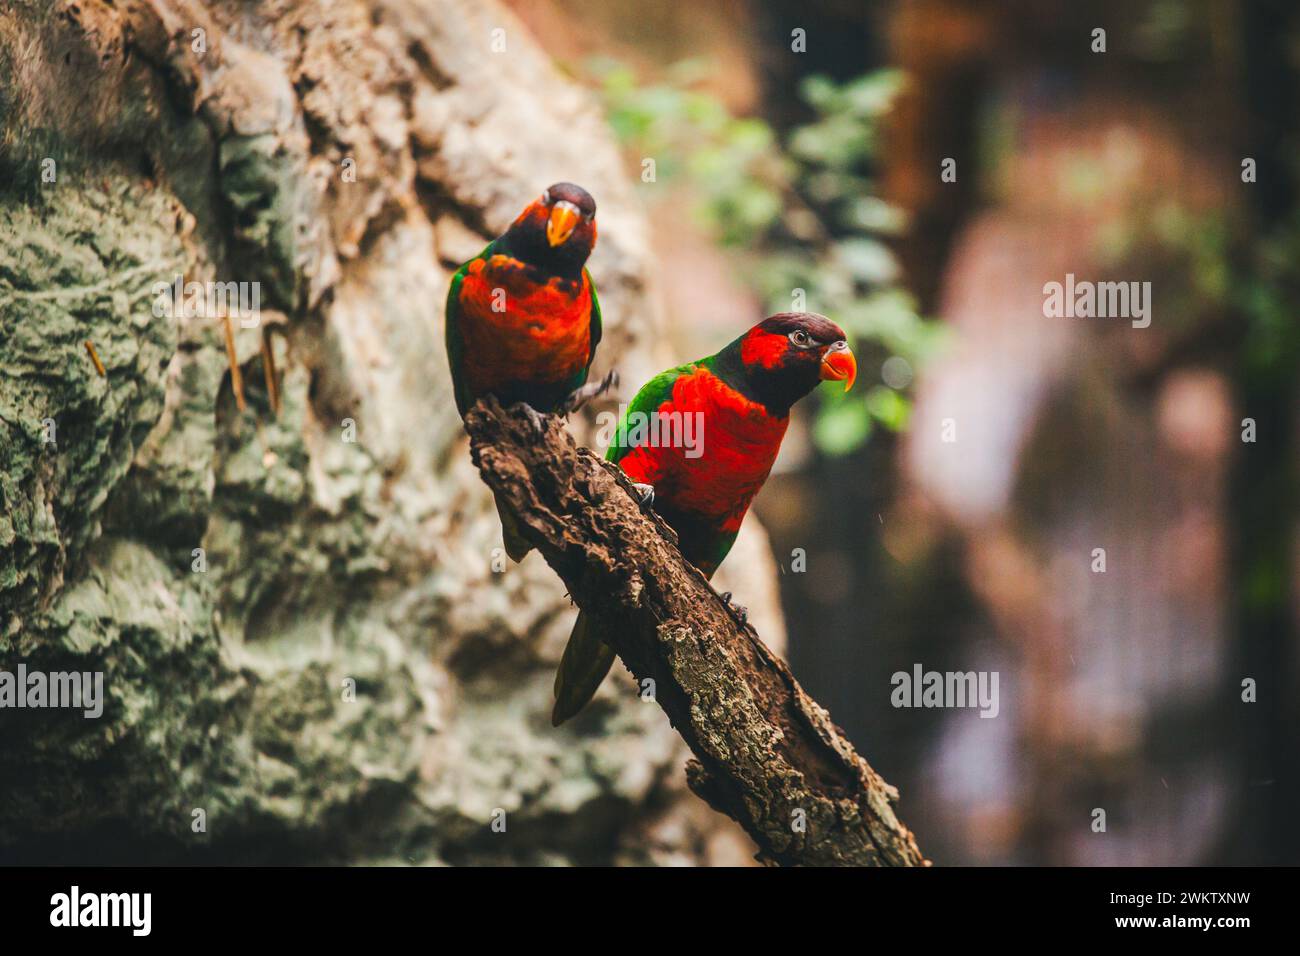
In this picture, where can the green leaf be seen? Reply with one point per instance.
(888, 407)
(840, 427)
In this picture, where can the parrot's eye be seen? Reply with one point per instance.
(801, 338)
(546, 197)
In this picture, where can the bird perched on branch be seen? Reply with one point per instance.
(702, 487)
(523, 320)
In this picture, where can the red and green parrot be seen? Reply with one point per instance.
(523, 321)
(743, 396)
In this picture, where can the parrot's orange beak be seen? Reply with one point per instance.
(564, 217)
(839, 365)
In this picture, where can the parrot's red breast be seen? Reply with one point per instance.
(715, 479)
(518, 329)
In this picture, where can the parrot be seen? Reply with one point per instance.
(741, 398)
(523, 320)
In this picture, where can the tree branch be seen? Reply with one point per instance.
(766, 754)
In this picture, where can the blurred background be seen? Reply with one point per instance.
(350, 676)
(819, 173)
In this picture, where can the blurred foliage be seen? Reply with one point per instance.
(1223, 265)
(1227, 267)
(798, 215)
(1267, 291)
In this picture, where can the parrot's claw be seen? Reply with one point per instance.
(646, 493)
(534, 416)
(580, 396)
(740, 611)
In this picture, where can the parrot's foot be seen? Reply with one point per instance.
(646, 493)
(581, 396)
(740, 611)
(534, 416)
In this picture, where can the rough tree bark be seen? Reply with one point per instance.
(766, 754)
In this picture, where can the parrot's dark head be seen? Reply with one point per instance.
(556, 232)
(782, 359)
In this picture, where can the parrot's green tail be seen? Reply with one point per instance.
(584, 665)
(515, 544)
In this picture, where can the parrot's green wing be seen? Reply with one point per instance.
(596, 329)
(456, 344)
(646, 402)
